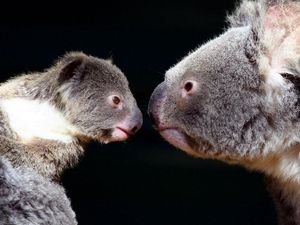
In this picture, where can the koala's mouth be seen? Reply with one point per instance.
(120, 134)
(179, 139)
(114, 135)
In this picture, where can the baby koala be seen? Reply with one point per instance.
(236, 98)
(47, 118)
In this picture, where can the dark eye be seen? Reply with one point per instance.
(116, 100)
(188, 86)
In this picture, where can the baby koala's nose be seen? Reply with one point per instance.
(129, 126)
(135, 129)
(135, 121)
(132, 123)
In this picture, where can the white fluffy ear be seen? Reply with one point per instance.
(110, 60)
(245, 14)
(280, 40)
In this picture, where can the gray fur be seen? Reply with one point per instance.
(77, 85)
(245, 108)
(28, 198)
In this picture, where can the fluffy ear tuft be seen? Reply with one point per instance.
(245, 14)
(70, 64)
(248, 14)
(251, 12)
(280, 40)
(281, 33)
(275, 34)
(110, 59)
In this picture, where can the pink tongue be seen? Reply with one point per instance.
(176, 138)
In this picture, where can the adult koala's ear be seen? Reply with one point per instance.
(71, 65)
(274, 41)
(245, 14)
(248, 14)
(280, 44)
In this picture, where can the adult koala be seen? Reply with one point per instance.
(236, 98)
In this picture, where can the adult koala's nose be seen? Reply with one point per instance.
(155, 103)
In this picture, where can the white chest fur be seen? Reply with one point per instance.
(34, 119)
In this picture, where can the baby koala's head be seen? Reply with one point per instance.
(95, 97)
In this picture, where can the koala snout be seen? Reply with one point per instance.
(128, 126)
(155, 102)
(132, 123)
(135, 121)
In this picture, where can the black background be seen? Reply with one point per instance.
(144, 181)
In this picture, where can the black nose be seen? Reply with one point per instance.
(134, 129)
(136, 120)
(154, 116)
(155, 103)
(152, 119)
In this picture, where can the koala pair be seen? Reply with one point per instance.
(236, 99)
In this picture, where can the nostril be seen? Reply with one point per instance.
(134, 130)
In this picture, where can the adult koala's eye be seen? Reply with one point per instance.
(189, 88)
(115, 101)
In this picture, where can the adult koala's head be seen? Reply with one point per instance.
(236, 97)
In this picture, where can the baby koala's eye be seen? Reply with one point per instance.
(116, 100)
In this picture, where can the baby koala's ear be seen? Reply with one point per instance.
(110, 60)
(71, 64)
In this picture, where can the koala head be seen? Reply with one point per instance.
(236, 98)
(95, 97)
